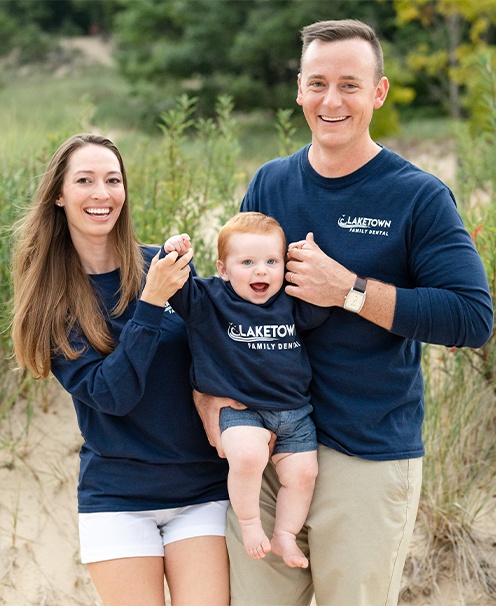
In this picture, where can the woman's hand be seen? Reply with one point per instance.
(165, 277)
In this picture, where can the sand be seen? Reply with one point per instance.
(39, 558)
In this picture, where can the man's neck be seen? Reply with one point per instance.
(334, 163)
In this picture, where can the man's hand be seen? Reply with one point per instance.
(209, 408)
(315, 277)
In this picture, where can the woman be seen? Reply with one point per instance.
(152, 493)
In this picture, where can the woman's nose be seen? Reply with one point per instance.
(100, 192)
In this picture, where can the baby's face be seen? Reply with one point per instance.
(255, 266)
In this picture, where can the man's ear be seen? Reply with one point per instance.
(299, 96)
(221, 268)
(381, 92)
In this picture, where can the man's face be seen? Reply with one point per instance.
(338, 93)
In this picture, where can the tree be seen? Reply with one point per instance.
(453, 33)
(33, 26)
(248, 49)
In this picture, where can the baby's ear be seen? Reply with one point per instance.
(221, 269)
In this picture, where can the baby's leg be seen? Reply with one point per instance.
(297, 472)
(247, 451)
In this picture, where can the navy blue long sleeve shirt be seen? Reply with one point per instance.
(144, 443)
(390, 221)
(248, 352)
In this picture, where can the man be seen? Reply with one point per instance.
(381, 242)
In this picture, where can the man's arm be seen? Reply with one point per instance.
(453, 306)
(316, 278)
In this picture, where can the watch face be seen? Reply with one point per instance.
(354, 301)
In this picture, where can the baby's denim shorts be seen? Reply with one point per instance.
(294, 428)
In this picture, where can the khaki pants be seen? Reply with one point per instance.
(356, 537)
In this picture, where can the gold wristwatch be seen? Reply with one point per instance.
(355, 299)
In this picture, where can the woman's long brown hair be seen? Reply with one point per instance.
(53, 295)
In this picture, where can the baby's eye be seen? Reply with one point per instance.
(246, 262)
(271, 262)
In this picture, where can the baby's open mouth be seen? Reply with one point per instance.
(259, 287)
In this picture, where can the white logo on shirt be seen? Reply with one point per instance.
(365, 225)
(267, 332)
(262, 337)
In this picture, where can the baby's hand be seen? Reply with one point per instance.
(180, 243)
(307, 243)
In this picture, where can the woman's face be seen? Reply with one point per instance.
(92, 194)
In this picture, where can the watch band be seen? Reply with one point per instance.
(360, 284)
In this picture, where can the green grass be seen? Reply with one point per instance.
(42, 105)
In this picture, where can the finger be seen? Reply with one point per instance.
(169, 259)
(290, 277)
(298, 244)
(218, 446)
(295, 254)
(296, 291)
(185, 259)
(310, 242)
(180, 243)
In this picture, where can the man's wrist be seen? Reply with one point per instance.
(355, 298)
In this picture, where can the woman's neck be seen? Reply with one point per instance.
(97, 256)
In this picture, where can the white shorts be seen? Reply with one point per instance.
(127, 534)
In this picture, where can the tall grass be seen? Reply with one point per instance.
(191, 182)
(459, 484)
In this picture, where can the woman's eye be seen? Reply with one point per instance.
(115, 181)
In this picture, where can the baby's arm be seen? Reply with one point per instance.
(180, 243)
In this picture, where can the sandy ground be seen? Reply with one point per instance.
(39, 558)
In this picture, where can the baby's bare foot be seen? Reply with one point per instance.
(255, 540)
(284, 545)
